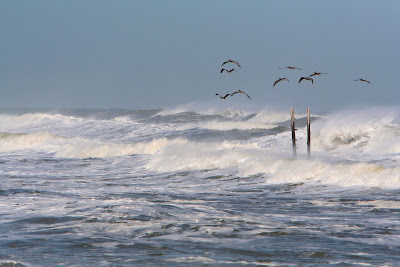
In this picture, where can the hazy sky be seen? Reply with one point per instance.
(151, 54)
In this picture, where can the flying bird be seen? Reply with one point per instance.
(306, 78)
(279, 80)
(241, 92)
(228, 71)
(317, 74)
(223, 97)
(231, 61)
(362, 80)
(291, 68)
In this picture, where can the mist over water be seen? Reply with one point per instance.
(203, 186)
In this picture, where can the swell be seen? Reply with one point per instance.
(76, 147)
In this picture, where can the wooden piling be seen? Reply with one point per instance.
(308, 133)
(293, 132)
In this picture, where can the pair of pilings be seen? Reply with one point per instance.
(294, 133)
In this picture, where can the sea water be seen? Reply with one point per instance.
(209, 187)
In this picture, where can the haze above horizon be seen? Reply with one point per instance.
(155, 54)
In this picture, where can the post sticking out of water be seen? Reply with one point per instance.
(308, 133)
(293, 132)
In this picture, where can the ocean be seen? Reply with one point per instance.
(200, 186)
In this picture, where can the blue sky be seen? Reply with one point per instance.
(152, 54)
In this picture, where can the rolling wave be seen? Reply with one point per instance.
(349, 148)
(77, 147)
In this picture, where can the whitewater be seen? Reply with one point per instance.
(197, 186)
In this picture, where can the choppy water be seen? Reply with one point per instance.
(183, 187)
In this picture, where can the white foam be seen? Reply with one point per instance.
(78, 147)
(81, 148)
(227, 125)
(269, 116)
(9, 122)
(347, 175)
(385, 140)
(11, 142)
(234, 113)
(366, 131)
(193, 155)
(246, 159)
(205, 109)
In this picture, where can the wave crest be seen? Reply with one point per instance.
(366, 131)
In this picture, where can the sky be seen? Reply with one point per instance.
(156, 54)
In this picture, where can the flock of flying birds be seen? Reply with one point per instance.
(230, 71)
(306, 78)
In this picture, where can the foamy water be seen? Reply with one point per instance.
(203, 186)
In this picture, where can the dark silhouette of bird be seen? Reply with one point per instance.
(223, 97)
(231, 61)
(241, 92)
(228, 71)
(362, 80)
(291, 68)
(317, 74)
(306, 78)
(279, 80)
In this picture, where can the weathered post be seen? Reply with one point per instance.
(308, 133)
(293, 132)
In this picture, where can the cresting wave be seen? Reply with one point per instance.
(17, 141)
(371, 132)
(360, 149)
(278, 167)
(264, 119)
(77, 147)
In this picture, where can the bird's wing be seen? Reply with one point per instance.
(287, 80)
(222, 70)
(312, 81)
(277, 81)
(301, 79)
(245, 94)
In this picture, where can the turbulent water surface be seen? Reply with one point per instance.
(184, 187)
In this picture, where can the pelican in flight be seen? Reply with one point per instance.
(279, 80)
(231, 61)
(362, 80)
(241, 92)
(306, 78)
(317, 74)
(228, 71)
(290, 68)
(223, 97)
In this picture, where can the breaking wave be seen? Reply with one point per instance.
(77, 147)
(349, 148)
(371, 131)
